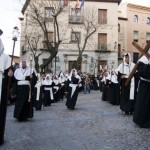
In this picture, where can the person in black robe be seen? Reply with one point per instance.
(123, 71)
(105, 81)
(38, 94)
(56, 89)
(109, 87)
(73, 89)
(142, 107)
(115, 94)
(5, 73)
(100, 82)
(95, 83)
(24, 105)
(66, 85)
(48, 91)
(62, 85)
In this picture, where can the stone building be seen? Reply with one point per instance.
(134, 25)
(102, 46)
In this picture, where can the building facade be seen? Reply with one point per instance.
(101, 47)
(134, 25)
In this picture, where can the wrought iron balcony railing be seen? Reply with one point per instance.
(104, 47)
(76, 19)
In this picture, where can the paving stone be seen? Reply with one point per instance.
(93, 125)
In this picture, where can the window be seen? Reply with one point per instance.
(147, 37)
(102, 41)
(118, 27)
(48, 13)
(135, 19)
(135, 38)
(49, 67)
(102, 16)
(50, 39)
(135, 57)
(75, 37)
(75, 12)
(50, 36)
(148, 21)
(76, 16)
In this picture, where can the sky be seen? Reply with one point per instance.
(9, 19)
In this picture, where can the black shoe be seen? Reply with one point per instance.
(1, 142)
(131, 113)
(23, 120)
(126, 113)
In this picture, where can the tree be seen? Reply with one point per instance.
(89, 27)
(41, 20)
(33, 46)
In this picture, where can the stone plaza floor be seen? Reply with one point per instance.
(93, 125)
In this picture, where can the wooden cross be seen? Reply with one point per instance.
(143, 52)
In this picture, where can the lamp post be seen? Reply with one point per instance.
(15, 35)
(30, 94)
(5, 102)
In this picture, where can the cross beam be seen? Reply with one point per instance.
(143, 52)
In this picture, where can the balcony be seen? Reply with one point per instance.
(76, 19)
(104, 47)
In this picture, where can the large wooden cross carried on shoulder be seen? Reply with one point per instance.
(143, 52)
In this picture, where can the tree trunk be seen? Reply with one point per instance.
(46, 63)
(36, 60)
(79, 62)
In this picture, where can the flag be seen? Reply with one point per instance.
(77, 4)
(82, 3)
(66, 2)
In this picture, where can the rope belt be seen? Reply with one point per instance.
(24, 82)
(143, 79)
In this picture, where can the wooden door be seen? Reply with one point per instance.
(102, 16)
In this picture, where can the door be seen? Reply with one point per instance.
(72, 64)
(102, 64)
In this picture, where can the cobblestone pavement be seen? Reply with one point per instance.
(93, 125)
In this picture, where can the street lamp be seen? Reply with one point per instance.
(31, 59)
(4, 104)
(15, 35)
